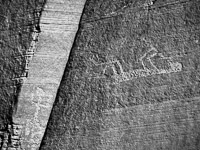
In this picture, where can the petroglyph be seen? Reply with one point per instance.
(36, 121)
(99, 70)
(149, 66)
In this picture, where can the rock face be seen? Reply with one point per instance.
(19, 22)
(132, 79)
(58, 27)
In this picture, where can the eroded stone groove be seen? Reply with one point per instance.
(132, 81)
(58, 26)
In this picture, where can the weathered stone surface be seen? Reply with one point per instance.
(45, 71)
(132, 79)
(18, 20)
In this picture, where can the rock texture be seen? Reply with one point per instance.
(58, 26)
(18, 20)
(132, 79)
(19, 27)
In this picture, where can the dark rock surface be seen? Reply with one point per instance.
(18, 20)
(132, 81)
(100, 106)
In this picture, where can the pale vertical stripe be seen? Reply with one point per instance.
(59, 24)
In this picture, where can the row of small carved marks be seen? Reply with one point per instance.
(148, 68)
(176, 67)
(153, 70)
(28, 57)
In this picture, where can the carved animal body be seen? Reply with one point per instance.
(149, 67)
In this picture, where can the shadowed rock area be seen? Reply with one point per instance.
(132, 79)
(18, 20)
(19, 29)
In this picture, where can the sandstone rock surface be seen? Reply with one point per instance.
(58, 26)
(132, 79)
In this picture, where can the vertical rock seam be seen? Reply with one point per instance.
(58, 24)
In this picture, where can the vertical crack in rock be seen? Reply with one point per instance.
(132, 79)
